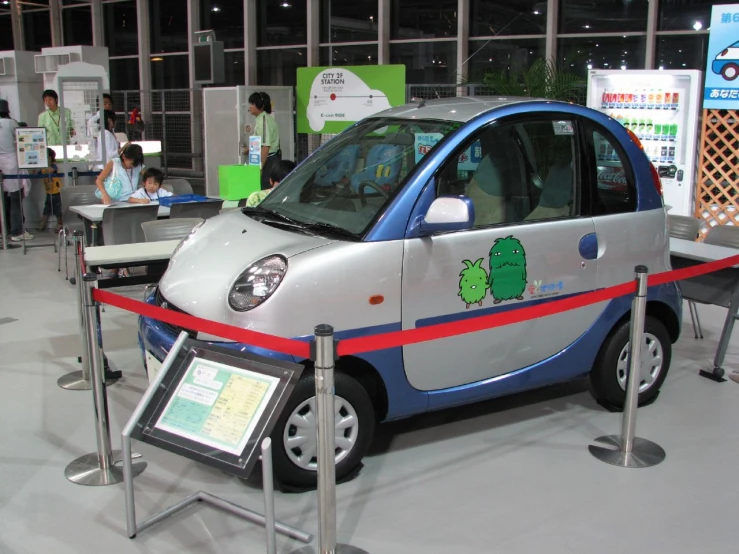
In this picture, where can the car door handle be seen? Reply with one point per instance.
(589, 246)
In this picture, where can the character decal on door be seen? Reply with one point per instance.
(507, 280)
(473, 283)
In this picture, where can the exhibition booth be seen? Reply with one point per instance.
(426, 339)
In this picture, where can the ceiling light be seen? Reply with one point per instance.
(623, 67)
(536, 12)
(697, 25)
(215, 9)
(286, 4)
(157, 59)
(662, 68)
(586, 26)
(590, 66)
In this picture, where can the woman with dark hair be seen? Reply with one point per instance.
(265, 127)
(120, 177)
(13, 189)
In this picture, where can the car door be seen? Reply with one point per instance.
(529, 245)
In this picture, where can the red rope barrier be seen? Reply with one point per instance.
(263, 340)
(407, 336)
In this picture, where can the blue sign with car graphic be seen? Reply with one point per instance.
(722, 72)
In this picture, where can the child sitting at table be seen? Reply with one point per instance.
(151, 191)
(280, 170)
(52, 185)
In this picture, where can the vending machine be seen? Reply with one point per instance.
(662, 108)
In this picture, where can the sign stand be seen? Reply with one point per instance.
(153, 420)
(630, 450)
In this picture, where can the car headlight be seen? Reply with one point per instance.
(183, 241)
(257, 283)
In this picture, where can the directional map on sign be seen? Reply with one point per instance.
(332, 98)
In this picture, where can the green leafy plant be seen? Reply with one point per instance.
(541, 79)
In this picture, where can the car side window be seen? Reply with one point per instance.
(516, 172)
(614, 184)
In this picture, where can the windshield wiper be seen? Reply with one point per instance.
(333, 229)
(278, 215)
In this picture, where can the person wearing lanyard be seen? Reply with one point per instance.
(51, 119)
(265, 127)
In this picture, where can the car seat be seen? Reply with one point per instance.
(382, 168)
(339, 168)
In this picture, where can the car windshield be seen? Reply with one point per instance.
(347, 184)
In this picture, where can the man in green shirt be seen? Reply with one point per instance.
(51, 119)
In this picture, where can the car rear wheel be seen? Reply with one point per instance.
(294, 436)
(730, 71)
(608, 376)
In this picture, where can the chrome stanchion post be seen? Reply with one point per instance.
(326, 439)
(2, 213)
(78, 380)
(630, 450)
(99, 467)
(269, 496)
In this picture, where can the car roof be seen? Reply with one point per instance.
(460, 109)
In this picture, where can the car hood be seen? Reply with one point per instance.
(201, 273)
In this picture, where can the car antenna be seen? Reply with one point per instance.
(421, 101)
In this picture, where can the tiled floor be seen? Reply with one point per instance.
(511, 476)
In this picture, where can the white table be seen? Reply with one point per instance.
(94, 212)
(720, 288)
(129, 255)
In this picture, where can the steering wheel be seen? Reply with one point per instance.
(371, 184)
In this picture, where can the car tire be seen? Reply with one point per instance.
(730, 71)
(608, 376)
(291, 466)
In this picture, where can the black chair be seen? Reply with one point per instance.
(81, 195)
(203, 210)
(169, 229)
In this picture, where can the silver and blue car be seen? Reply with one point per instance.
(429, 213)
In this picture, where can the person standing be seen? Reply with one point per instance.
(120, 177)
(265, 127)
(13, 189)
(51, 119)
(112, 147)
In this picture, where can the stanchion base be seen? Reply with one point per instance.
(645, 453)
(74, 381)
(734, 378)
(340, 549)
(717, 374)
(86, 470)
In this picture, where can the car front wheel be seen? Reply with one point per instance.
(295, 450)
(730, 71)
(608, 376)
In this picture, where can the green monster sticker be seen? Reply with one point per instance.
(507, 279)
(473, 283)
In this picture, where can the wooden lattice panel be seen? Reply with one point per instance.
(717, 190)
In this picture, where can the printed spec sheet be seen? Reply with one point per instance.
(217, 405)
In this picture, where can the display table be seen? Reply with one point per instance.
(94, 212)
(720, 288)
(137, 254)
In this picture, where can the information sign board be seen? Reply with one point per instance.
(216, 405)
(31, 147)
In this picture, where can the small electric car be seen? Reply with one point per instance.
(436, 212)
(726, 63)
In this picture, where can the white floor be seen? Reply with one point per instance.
(510, 476)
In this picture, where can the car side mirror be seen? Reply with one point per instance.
(448, 213)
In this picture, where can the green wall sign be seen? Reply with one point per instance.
(330, 99)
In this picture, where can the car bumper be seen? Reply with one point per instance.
(157, 339)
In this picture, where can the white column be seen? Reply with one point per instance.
(142, 25)
(552, 19)
(651, 46)
(16, 22)
(463, 39)
(98, 30)
(250, 42)
(196, 96)
(55, 17)
(383, 32)
(314, 31)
